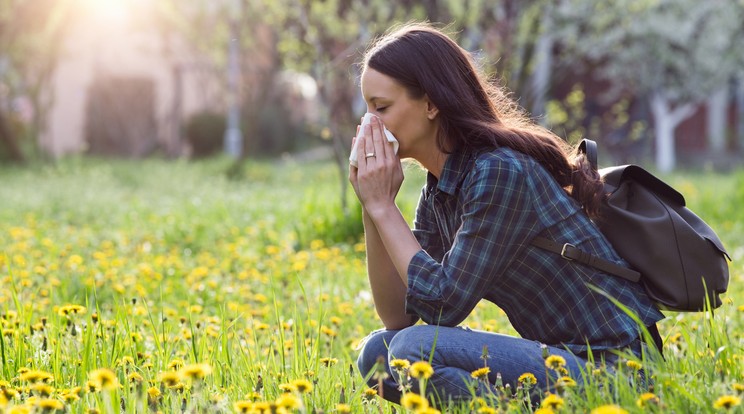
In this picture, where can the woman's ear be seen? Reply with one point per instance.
(431, 110)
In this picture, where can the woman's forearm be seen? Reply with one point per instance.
(388, 289)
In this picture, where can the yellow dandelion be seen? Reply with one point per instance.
(253, 396)
(369, 394)
(288, 402)
(175, 364)
(646, 399)
(20, 409)
(92, 387)
(328, 331)
(69, 310)
(414, 402)
(400, 364)
(302, 385)
(126, 361)
(421, 369)
(179, 387)
(555, 362)
(634, 365)
(609, 409)
(343, 408)
(565, 382)
(552, 401)
(481, 373)
(287, 387)
(8, 393)
(195, 372)
(264, 407)
(544, 410)
(42, 389)
(727, 402)
(35, 376)
(428, 410)
(243, 406)
(738, 387)
(104, 378)
(487, 410)
(135, 377)
(328, 361)
(50, 404)
(477, 402)
(69, 396)
(674, 338)
(527, 379)
(169, 378)
(153, 393)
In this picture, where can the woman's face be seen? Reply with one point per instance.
(407, 118)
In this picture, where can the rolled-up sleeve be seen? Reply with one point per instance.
(497, 220)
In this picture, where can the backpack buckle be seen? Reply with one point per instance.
(564, 251)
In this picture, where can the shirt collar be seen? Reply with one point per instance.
(453, 172)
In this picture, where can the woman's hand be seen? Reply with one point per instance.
(379, 174)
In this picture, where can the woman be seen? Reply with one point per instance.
(495, 181)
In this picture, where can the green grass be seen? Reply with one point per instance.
(260, 275)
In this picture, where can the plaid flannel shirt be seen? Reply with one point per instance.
(475, 225)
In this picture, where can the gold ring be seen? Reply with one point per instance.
(369, 154)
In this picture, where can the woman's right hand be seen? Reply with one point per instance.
(378, 175)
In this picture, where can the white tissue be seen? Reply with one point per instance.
(365, 121)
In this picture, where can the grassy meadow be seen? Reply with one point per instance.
(168, 287)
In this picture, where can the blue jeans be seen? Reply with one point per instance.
(457, 353)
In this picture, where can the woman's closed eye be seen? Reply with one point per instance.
(381, 109)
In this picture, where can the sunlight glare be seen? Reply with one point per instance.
(107, 12)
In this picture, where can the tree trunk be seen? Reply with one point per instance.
(740, 112)
(666, 121)
(8, 141)
(716, 121)
(233, 139)
(544, 62)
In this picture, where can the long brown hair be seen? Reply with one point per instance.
(473, 112)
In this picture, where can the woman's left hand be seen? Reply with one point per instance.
(379, 175)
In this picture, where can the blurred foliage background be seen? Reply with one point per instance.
(657, 81)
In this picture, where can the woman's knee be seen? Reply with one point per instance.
(414, 343)
(374, 346)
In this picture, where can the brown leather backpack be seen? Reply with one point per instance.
(676, 256)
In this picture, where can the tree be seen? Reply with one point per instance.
(203, 31)
(674, 53)
(326, 40)
(30, 44)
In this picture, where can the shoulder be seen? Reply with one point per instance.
(498, 175)
(502, 166)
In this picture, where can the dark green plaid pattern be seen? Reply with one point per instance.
(475, 225)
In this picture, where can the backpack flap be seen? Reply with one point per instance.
(678, 254)
(616, 175)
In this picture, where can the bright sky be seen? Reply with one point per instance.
(109, 12)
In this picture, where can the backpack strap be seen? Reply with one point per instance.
(589, 149)
(570, 252)
(656, 336)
